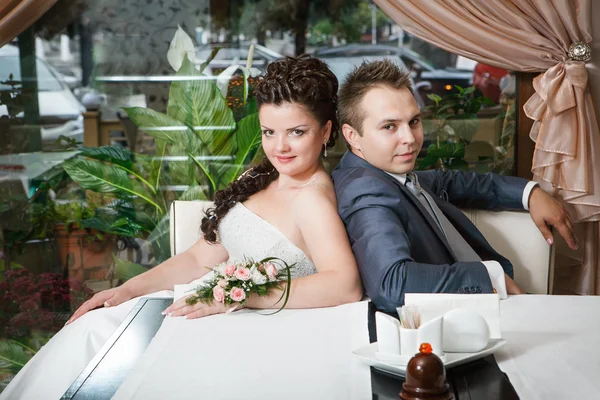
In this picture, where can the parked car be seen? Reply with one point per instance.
(441, 80)
(60, 111)
(487, 79)
(342, 65)
(235, 53)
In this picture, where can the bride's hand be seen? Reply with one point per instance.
(107, 298)
(181, 308)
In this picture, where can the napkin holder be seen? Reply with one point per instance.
(397, 345)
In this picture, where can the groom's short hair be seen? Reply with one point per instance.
(362, 79)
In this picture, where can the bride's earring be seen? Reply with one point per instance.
(325, 149)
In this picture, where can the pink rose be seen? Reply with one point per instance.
(243, 274)
(219, 294)
(271, 271)
(222, 283)
(237, 294)
(229, 269)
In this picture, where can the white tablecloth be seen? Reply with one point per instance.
(553, 349)
(553, 352)
(295, 354)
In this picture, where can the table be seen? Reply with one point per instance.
(553, 349)
(543, 359)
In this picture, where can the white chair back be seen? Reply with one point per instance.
(185, 220)
(514, 235)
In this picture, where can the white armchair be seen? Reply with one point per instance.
(512, 234)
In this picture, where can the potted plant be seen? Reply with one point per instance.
(451, 125)
(86, 252)
(212, 129)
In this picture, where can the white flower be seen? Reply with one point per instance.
(225, 76)
(257, 278)
(181, 45)
(220, 269)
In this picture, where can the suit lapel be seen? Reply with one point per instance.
(350, 160)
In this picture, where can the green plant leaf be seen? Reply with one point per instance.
(206, 172)
(469, 90)
(104, 178)
(465, 127)
(446, 150)
(205, 63)
(125, 270)
(113, 154)
(159, 125)
(159, 239)
(195, 192)
(427, 162)
(434, 97)
(248, 138)
(487, 101)
(12, 357)
(197, 102)
(156, 165)
(459, 164)
(120, 208)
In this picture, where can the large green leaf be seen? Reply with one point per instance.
(126, 209)
(125, 270)
(118, 156)
(248, 138)
(446, 150)
(205, 63)
(194, 192)
(156, 165)
(159, 239)
(115, 224)
(181, 171)
(12, 356)
(466, 127)
(159, 125)
(104, 178)
(113, 154)
(195, 100)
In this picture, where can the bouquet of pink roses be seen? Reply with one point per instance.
(233, 283)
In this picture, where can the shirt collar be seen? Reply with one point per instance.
(399, 177)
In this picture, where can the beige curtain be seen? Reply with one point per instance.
(18, 15)
(531, 35)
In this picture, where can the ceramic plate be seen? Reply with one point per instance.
(367, 355)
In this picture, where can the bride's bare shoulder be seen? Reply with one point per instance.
(320, 193)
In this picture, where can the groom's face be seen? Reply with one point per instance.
(391, 135)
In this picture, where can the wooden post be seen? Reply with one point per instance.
(91, 129)
(524, 146)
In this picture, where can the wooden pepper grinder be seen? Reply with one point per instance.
(425, 377)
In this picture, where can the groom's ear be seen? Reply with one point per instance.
(351, 135)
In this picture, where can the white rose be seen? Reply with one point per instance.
(220, 269)
(257, 277)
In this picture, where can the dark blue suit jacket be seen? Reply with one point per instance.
(399, 248)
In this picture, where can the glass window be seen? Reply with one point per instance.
(84, 196)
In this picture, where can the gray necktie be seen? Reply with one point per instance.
(461, 249)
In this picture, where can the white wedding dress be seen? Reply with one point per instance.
(52, 370)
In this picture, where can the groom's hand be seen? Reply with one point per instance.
(548, 212)
(512, 287)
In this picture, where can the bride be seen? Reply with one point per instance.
(285, 207)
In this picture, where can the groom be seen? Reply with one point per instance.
(405, 228)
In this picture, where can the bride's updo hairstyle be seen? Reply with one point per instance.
(302, 80)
